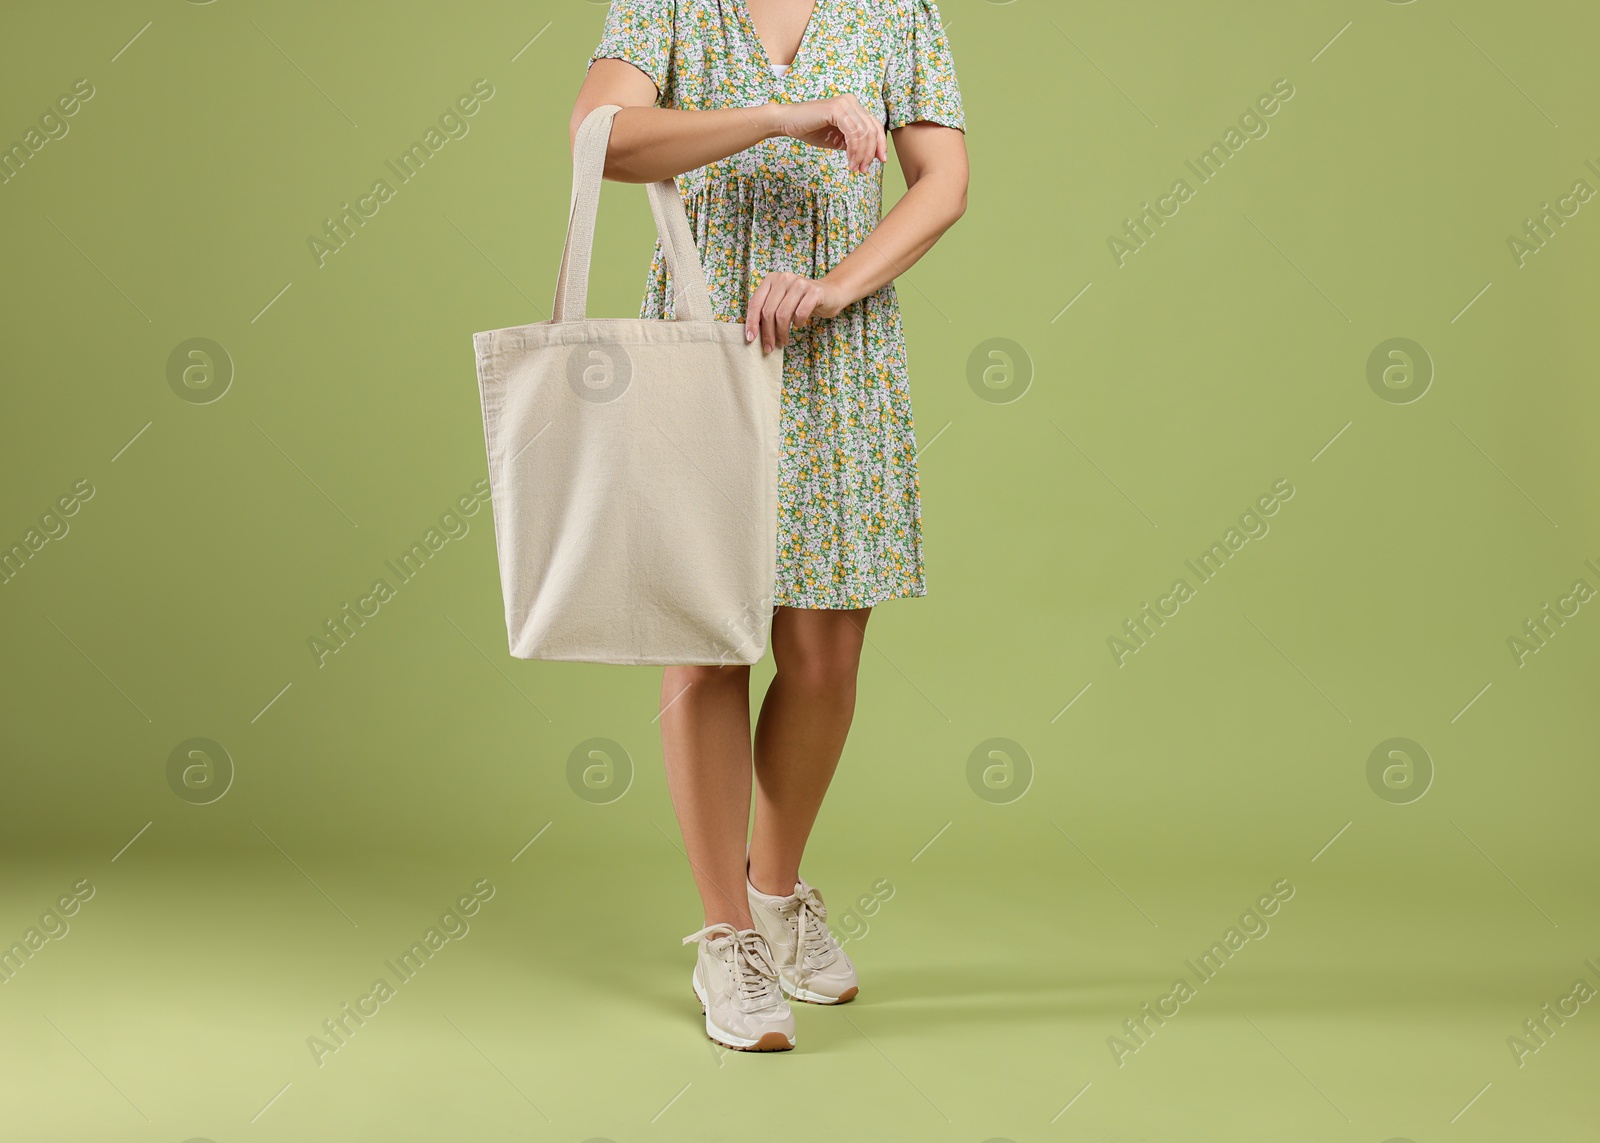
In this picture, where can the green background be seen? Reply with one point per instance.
(1138, 809)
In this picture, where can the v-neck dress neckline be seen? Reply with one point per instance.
(742, 12)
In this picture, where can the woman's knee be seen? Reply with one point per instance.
(823, 669)
(818, 650)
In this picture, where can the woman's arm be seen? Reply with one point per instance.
(650, 143)
(933, 158)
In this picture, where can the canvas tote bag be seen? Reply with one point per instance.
(633, 463)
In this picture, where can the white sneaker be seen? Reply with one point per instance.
(737, 984)
(811, 965)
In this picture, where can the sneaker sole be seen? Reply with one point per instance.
(769, 1041)
(810, 997)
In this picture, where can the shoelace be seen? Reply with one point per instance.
(755, 976)
(816, 943)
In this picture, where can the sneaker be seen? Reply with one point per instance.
(737, 984)
(811, 965)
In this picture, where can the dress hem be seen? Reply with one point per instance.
(910, 591)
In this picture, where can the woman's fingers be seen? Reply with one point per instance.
(806, 303)
(771, 308)
(863, 135)
(846, 126)
(784, 306)
(752, 316)
(852, 142)
(862, 144)
(780, 303)
(769, 320)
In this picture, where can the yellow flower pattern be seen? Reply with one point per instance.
(849, 512)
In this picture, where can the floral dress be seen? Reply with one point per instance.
(849, 514)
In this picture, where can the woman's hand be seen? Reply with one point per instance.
(839, 124)
(783, 300)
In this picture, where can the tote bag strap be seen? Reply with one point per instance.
(691, 298)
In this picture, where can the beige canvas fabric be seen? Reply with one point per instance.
(633, 463)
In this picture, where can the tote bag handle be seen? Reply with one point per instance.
(691, 298)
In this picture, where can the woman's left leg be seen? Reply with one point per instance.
(800, 734)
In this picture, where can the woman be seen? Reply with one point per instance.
(772, 115)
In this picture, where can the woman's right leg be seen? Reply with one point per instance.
(705, 738)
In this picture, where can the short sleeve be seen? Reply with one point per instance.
(639, 32)
(920, 80)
